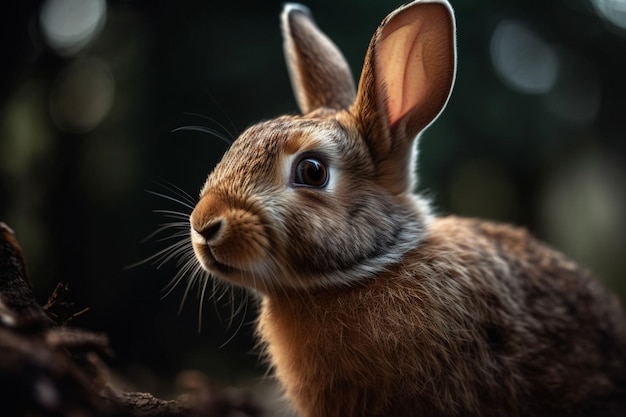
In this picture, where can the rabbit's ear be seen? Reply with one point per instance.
(406, 81)
(320, 75)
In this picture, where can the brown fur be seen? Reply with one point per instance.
(370, 306)
(480, 320)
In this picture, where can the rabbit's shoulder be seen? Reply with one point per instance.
(496, 245)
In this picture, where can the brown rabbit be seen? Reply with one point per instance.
(370, 304)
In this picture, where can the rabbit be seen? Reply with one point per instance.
(369, 303)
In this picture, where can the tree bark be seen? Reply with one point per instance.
(48, 368)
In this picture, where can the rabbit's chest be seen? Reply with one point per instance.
(352, 353)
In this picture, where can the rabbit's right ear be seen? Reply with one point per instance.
(320, 75)
(406, 81)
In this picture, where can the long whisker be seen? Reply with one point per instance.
(203, 285)
(184, 195)
(157, 257)
(182, 234)
(231, 134)
(204, 129)
(175, 250)
(172, 214)
(196, 276)
(190, 284)
(240, 325)
(177, 225)
(221, 109)
(189, 265)
(167, 197)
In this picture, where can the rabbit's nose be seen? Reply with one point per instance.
(211, 230)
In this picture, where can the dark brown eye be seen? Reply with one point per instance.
(311, 172)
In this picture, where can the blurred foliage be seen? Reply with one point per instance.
(533, 135)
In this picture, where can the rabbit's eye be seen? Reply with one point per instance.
(311, 172)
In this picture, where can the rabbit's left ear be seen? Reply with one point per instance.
(320, 75)
(406, 81)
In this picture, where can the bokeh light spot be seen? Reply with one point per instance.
(26, 141)
(69, 25)
(523, 60)
(613, 11)
(582, 210)
(82, 95)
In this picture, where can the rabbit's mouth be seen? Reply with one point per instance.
(234, 275)
(223, 269)
(210, 262)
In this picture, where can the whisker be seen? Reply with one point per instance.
(200, 309)
(232, 307)
(181, 234)
(188, 270)
(231, 134)
(186, 256)
(167, 197)
(167, 290)
(221, 296)
(174, 251)
(155, 259)
(222, 110)
(204, 129)
(193, 280)
(184, 195)
(177, 225)
(172, 214)
(239, 326)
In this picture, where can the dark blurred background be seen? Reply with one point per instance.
(90, 92)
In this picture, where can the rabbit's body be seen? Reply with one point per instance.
(371, 306)
(505, 327)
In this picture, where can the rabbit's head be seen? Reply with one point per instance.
(325, 198)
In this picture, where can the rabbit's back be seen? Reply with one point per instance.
(551, 322)
(480, 319)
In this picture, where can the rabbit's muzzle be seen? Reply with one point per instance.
(227, 240)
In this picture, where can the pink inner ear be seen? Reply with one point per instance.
(415, 63)
(402, 71)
